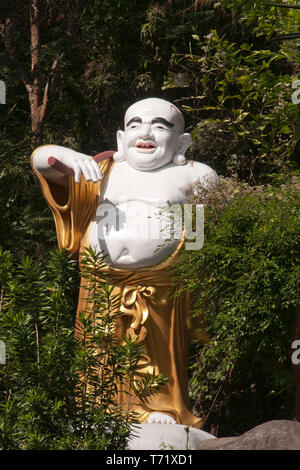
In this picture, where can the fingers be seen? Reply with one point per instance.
(92, 170)
(77, 171)
(89, 168)
(97, 169)
(83, 165)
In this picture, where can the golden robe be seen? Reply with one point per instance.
(149, 311)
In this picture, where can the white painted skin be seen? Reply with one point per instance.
(153, 135)
(143, 179)
(150, 172)
(79, 162)
(162, 418)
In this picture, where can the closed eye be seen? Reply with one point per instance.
(132, 124)
(162, 123)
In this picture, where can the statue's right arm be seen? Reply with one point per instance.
(79, 163)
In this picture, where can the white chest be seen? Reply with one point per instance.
(131, 225)
(162, 186)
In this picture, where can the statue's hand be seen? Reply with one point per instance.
(75, 164)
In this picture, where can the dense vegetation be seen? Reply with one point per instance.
(71, 68)
(246, 283)
(58, 392)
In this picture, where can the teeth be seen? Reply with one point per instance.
(146, 146)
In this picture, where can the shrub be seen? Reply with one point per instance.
(237, 88)
(245, 281)
(57, 392)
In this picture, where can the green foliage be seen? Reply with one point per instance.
(58, 392)
(245, 280)
(240, 94)
(119, 53)
(234, 82)
(267, 19)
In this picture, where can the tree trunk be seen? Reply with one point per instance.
(34, 89)
(38, 86)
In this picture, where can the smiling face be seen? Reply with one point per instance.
(151, 137)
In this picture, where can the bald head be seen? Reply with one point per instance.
(158, 109)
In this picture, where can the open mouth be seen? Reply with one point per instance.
(147, 147)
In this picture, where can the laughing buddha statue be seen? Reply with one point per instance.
(149, 171)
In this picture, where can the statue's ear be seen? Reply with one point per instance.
(119, 155)
(184, 142)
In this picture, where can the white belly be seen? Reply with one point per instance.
(133, 234)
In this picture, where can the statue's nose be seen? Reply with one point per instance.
(146, 131)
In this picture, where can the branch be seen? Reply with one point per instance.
(297, 7)
(35, 45)
(49, 84)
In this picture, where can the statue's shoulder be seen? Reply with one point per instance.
(201, 171)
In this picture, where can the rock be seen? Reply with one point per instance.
(273, 435)
(158, 436)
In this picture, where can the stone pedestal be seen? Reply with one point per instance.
(154, 436)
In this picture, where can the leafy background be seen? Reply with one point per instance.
(230, 68)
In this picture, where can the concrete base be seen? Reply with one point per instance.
(154, 436)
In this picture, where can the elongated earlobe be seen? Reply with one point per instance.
(179, 159)
(119, 155)
(184, 142)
